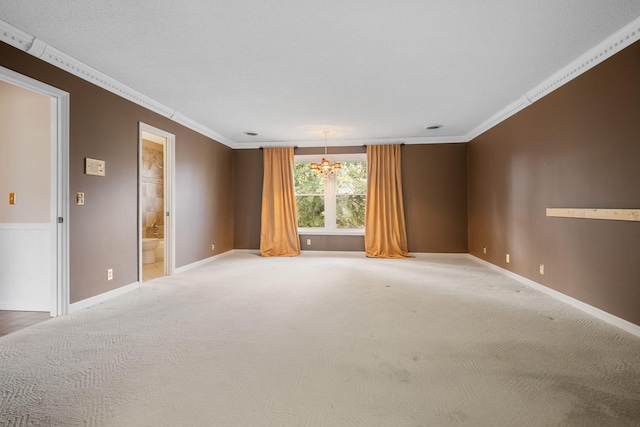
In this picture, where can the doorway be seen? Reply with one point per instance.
(155, 201)
(43, 239)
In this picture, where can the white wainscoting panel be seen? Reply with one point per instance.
(25, 267)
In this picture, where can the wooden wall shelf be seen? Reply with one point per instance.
(610, 214)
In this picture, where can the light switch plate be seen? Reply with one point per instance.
(12, 198)
(94, 167)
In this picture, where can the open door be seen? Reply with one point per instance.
(156, 223)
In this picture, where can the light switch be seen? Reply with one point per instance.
(80, 198)
(12, 198)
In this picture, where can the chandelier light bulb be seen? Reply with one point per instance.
(325, 168)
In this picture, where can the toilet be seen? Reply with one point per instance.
(149, 250)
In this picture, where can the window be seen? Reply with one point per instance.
(335, 205)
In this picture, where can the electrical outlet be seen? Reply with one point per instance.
(542, 269)
(110, 274)
(484, 250)
(12, 198)
(80, 198)
(213, 246)
(508, 259)
(308, 242)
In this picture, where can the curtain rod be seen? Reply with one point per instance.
(295, 147)
(401, 144)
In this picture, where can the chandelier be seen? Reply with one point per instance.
(325, 169)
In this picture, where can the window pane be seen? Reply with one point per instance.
(310, 211)
(352, 179)
(306, 182)
(350, 211)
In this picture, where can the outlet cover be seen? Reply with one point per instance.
(542, 269)
(110, 274)
(308, 242)
(508, 259)
(484, 250)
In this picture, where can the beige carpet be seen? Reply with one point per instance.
(324, 340)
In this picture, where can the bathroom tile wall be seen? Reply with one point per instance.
(152, 190)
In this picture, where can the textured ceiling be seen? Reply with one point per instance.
(366, 70)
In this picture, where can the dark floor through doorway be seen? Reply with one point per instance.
(12, 321)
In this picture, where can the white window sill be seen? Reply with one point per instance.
(308, 232)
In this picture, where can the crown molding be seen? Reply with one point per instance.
(508, 111)
(85, 72)
(351, 142)
(15, 36)
(37, 48)
(604, 50)
(613, 44)
(193, 125)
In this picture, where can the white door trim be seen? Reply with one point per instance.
(59, 190)
(169, 198)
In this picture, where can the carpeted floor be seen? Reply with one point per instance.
(324, 340)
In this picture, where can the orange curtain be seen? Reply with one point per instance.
(279, 225)
(385, 234)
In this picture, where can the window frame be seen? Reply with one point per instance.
(330, 196)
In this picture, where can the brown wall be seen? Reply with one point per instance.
(247, 173)
(435, 195)
(577, 147)
(104, 232)
(434, 181)
(204, 178)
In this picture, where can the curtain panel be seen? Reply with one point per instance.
(279, 221)
(385, 234)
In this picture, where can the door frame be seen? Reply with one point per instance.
(59, 185)
(169, 198)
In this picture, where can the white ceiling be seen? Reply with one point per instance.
(366, 70)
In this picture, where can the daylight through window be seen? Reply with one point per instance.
(335, 204)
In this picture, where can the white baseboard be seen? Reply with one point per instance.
(440, 254)
(331, 253)
(80, 305)
(246, 251)
(589, 309)
(203, 261)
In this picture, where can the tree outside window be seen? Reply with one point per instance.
(309, 196)
(351, 194)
